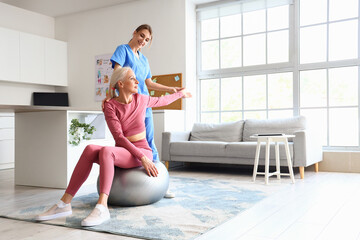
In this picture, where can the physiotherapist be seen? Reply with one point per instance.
(129, 55)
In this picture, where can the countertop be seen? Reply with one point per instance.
(30, 108)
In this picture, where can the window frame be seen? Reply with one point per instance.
(293, 65)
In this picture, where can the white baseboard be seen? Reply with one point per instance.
(7, 165)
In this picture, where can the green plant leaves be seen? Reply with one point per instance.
(80, 131)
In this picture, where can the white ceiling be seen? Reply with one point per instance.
(56, 8)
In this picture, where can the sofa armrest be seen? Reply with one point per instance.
(307, 148)
(167, 138)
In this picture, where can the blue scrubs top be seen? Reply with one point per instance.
(125, 57)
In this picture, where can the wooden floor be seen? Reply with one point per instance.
(323, 206)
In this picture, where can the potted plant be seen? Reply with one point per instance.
(80, 131)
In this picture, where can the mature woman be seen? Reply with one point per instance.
(125, 117)
(129, 55)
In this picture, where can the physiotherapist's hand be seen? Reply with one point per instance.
(178, 89)
(149, 166)
(172, 90)
(103, 102)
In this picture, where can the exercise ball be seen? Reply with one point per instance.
(134, 187)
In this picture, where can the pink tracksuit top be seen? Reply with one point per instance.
(129, 119)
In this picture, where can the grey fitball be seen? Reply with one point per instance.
(133, 187)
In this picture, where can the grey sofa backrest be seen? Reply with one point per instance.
(224, 132)
(281, 125)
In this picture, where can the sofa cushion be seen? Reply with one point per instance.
(282, 125)
(225, 149)
(206, 148)
(223, 132)
(248, 150)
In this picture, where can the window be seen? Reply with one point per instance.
(328, 36)
(247, 39)
(329, 97)
(280, 58)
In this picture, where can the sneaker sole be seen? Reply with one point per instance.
(91, 224)
(169, 195)
(50, 217)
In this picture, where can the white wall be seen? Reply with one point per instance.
(190, 58)
(25, 21)
(99, 32)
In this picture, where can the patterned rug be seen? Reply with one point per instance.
(199, 206)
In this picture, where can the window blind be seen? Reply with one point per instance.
(231, 7)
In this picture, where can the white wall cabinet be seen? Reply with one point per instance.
(55, 62)
(9, 55)
(32, 59)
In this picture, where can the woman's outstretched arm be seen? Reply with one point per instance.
(167, 99)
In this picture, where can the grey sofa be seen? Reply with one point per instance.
(230, 143)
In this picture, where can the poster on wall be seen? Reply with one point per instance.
(103, 71)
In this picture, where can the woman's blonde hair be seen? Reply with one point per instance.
(118, 75)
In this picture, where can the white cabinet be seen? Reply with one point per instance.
(55, 62)
(9, 55)
(7, 144)
(43, 156)
(32, 58)
(165, 121)
(6, 120)
(29, 58)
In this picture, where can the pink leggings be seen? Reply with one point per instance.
(107, 158)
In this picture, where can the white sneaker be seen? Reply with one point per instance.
(55, 212)
(169, 194)
(99, 215)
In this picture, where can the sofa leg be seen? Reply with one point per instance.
(167, 165)
(317, 167)
(302, 172)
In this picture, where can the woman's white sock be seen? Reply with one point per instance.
(61, 204)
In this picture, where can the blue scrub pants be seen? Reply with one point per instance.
(149, 125)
